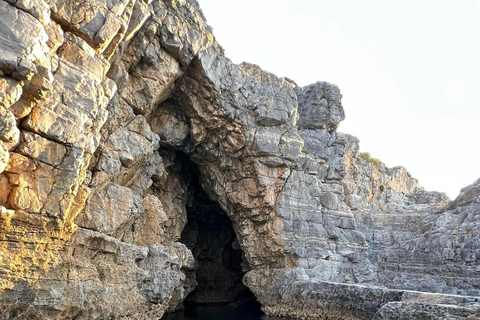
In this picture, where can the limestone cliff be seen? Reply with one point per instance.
(136, 161)
(369, 184)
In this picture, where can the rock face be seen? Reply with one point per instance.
(105, 108)
(370, 185)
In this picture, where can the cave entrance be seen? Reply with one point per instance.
(210, 236)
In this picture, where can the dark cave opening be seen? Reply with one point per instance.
(209, 234)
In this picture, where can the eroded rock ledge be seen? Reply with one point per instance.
(100, 102)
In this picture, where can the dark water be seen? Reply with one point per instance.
(226, 312)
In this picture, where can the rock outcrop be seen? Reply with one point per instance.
(136, 161)
(370, 185)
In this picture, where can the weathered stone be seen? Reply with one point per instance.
(154, 272)
(23, 107)
(9, 132)
(10, 92)
(353, 201)
(429, 308)
(257, 73)
(303, 298)
(151, 225)
(97, 22)
(76, 118)
(78, 52)
(36, 147)
(4, 156)
(386, 189)
(42, 81)
(468, 195)
(151, 80)
(37, 8)
(319, 106)
(130, 144)
(22, 41)
(55, 38)
(329, 200)
(112, 211)
(171, 126)
(348, 184)
(127, 109)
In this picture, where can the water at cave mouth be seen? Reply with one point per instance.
(220, 263)
(233, 311)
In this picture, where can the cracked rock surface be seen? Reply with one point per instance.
(99, 103)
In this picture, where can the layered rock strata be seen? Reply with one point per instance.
(99, 103)
(425, 266)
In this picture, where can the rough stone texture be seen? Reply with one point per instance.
(391, 190)
(291, 292)
(210, 236)
(89, 281)
(469, 196)
(100, 103)
(319, 106)
(434, 308)
(257, 73)
(427, 252)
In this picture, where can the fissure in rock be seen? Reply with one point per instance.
(210, 235)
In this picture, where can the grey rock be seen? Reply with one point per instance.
(38, 9)
(22, 41)
(36, 147)
(112, 211)
(294, 293)
(319, 106)
(109, 111)
(353, 201)
(171, 126)
(329, 147)
(422, 252)
(329, 200)
(257, 73)
(332, 187)
(468, 195)
(348, 184)
(432, 309)
(149, 276)
(386, 189)
(129, 144)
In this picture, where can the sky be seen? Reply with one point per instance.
(409, 72)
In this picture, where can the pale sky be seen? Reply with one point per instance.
(409, 72)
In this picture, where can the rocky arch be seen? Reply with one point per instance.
(244, 165)
(241, 183)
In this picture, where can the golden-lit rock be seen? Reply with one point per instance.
(10, 91)
(4, 156)
(41, 149)
(9, 132)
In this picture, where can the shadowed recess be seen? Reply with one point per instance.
(209, 234)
